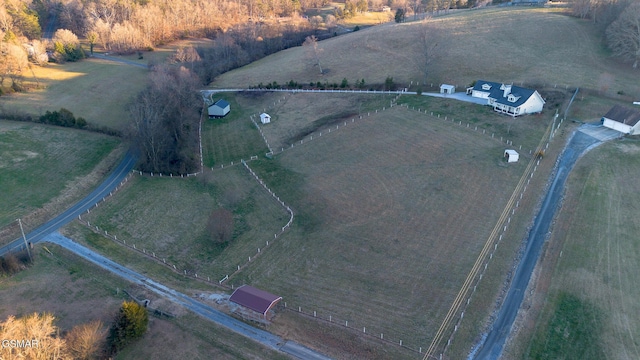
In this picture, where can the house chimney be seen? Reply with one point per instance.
(507, 90)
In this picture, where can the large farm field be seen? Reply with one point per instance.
(531, 45)
(392, 213)
(45, 169)
(586, 305)
(391, 209)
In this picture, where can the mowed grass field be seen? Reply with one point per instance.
(45, 166)
(391, 213)
(98, 90)
(76, 292)
(590, 308)
(531, 45)
(169, 217)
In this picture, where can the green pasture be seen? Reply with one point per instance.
(40, 163)
(591, 309)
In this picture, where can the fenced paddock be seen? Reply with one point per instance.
(167, 217)
(393, 212)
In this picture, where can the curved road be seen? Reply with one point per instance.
(48, 232)
(207, 312)
(578, 145)
(107, 186)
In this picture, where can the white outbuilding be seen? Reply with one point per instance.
(219, 109)
(265, 118)
(511, 155)
(622, 119)
(447, 89)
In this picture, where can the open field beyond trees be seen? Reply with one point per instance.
(530, 45)
(45, 166)
(98, 90)
(588, 288)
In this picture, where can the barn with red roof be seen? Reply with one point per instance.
(258, 301)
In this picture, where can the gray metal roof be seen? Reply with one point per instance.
(220, 103)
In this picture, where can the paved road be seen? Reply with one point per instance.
(580, 143)
(209, 313)
(108, 185)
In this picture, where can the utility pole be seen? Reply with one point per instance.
(25, 240)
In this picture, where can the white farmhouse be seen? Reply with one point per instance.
(622, 119)
(508, 99)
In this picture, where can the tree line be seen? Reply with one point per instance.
(619, 23)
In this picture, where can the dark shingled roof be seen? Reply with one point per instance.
(254, 299)
(220, 103)
(522, 94)
(623, 115)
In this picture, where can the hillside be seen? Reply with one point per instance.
(532, 45)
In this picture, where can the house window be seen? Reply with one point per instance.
(512, 98)
(486, 87)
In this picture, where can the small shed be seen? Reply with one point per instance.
(256, 300)
(447, 89)
(219, 109)
(265, 118)
(511, 155)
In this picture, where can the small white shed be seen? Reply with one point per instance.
(265, 118)
(511, 155)
(447, 89)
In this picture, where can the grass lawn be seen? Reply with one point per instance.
(48, 167)
(235, 137)
(98, 90)
(589, 288)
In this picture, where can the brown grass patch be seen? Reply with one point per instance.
(535, 46)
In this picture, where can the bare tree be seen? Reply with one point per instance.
(32, 327)
(313, 51)
(220, 226)
(428, 36)
(623, 35)
(87, 341)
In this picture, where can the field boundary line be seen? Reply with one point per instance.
(275, 236)
(475, 270)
